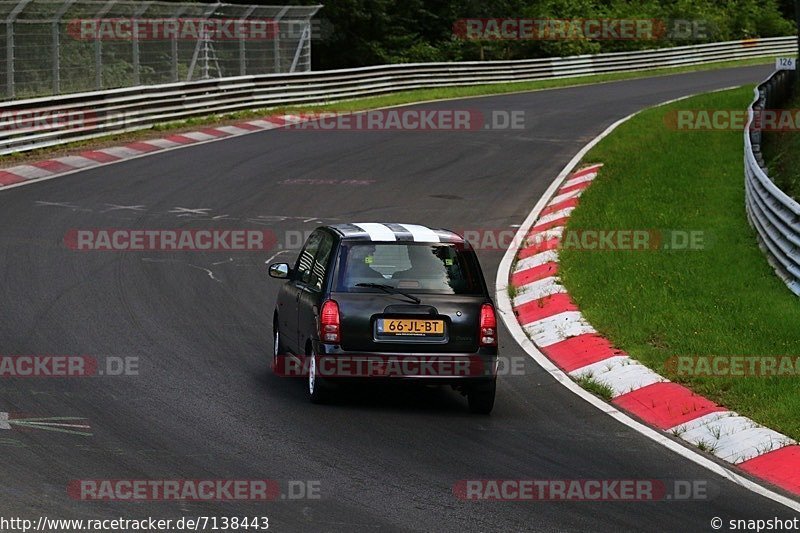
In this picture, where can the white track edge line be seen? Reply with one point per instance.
(509, 319)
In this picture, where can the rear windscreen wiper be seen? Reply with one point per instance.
(389, 289)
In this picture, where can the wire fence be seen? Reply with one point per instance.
(50, 47)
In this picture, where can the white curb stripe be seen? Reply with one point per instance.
(233, 130)
(600, 366)
(198, 136)
(76, 161)
(566, 196)
(121, 152)
(735, 438)
(555, 215)
(538, 289)
(264, 125)
(536, 260)
(4, 421)
(557, 328)
(28, 171)
(621, 373)
(700, 421)
(163, 143)
(580, 179)
(543, 236)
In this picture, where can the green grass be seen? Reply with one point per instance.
(782, 154)
(595, 387)
(722, 300)
(393, 99)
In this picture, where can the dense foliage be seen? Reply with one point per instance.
(366, 32)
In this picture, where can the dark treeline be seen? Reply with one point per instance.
(369, 32)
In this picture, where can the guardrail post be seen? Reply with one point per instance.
(797, 19)
(10, 74)
(242, 44)
(276, 40)
(10, 60)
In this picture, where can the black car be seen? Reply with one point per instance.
(391, 301)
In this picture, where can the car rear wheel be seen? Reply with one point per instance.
(277, 350)
(481, 398)
(317, 391)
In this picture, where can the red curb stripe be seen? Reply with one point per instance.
(577, 352)
(576, 187)
(248, 127)
(7, 178)
(180, 139)
(53, 166)
(584, 171)
(530, 275)
(280, 121)
(544, 307)
(545, 246)
(666, 405)
(571, 202)
(215, 132)
(142, 147)
(100, 157)
(548, 225)
(780, 467)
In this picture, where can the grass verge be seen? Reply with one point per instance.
(723, 299)
(595, 387)
(399, 98)
(782, 154)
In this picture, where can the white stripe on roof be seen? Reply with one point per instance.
(377, 232)
(421, 233)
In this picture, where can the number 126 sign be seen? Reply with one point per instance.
(785, 63)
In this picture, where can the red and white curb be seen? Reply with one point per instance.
(551, 320)
(51, 168)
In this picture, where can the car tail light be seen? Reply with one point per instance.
(488, 332)
(329, 322)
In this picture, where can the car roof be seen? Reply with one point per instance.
(390, 231)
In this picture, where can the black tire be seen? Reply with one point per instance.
(317, 388)
(481, 398)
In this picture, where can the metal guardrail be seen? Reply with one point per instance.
(101, 113)
(774, 215)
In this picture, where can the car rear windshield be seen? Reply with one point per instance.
(410, 267)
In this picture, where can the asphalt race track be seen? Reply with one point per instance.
(206, 406)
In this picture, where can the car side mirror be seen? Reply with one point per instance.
(279, 270)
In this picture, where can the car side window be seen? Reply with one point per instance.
(321, 260)
(305, 262)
